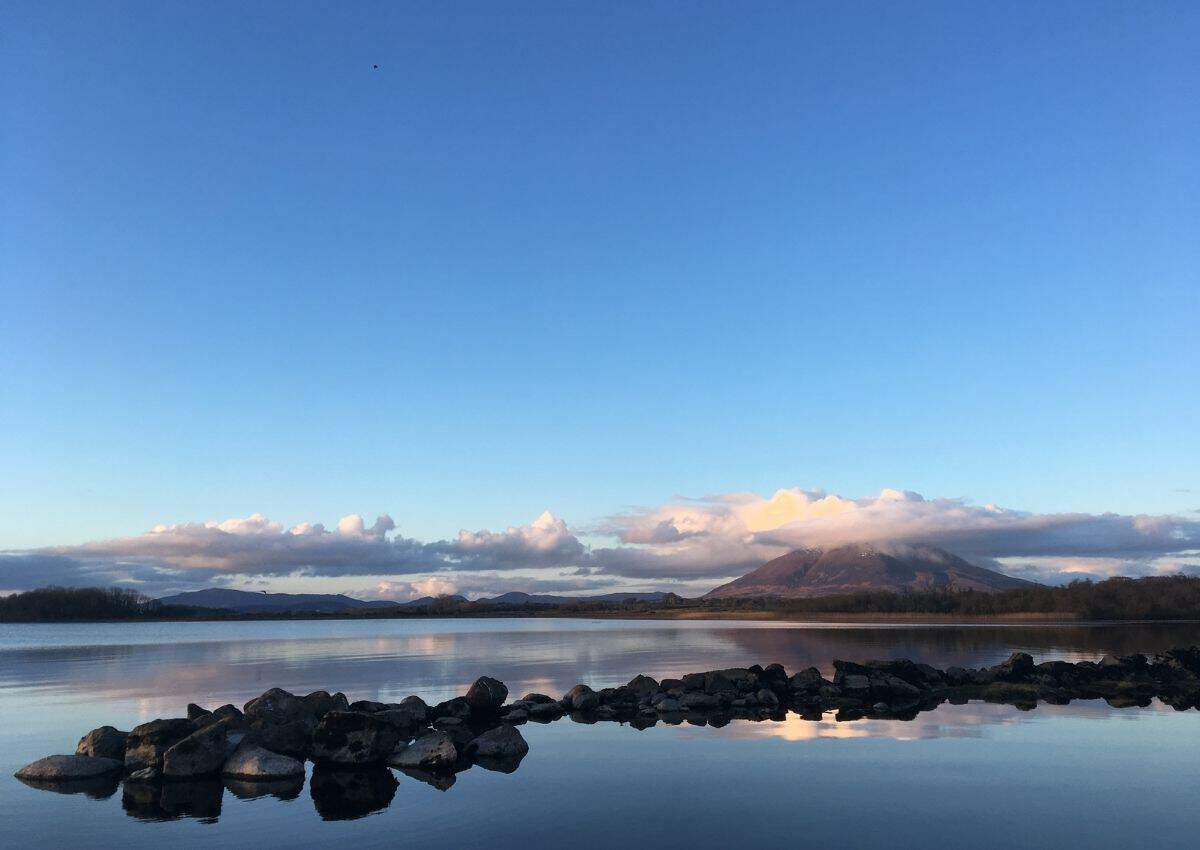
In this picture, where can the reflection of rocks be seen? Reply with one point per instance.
(283, 789)
(441, 780)
(252, 749)
(347, 794)
(154, 801)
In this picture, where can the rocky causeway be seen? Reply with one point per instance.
(262, 747)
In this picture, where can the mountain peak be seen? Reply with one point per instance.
(855, 567)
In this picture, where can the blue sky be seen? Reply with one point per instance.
(580, 258)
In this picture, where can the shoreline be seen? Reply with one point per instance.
(691, 615)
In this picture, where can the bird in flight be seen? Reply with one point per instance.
(376, 67)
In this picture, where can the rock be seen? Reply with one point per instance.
(277, 707)
(291, 739)
(406, 719)
(416, 705)
(767, 698)
(148, 742)
(516, 715)
(347, 737)
(200, 754)
(1018, 668)
(545, 710)
(456, 707)
(255, 763)
(503, 742)
(537, 699)
(668, 705)
(581, 698)
(105, 742)
(321, 703)
(734, 679)
(68, 768)
(194, 711)
(486, 695)
(643, 687)
(367, 706)
(697, 701)
(433, 751)
(146, 774)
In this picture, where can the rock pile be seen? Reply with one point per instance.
(262, 747)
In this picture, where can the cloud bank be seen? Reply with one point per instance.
(686, 545)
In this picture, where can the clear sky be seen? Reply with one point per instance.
(581, 257)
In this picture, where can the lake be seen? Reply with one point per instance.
(979, 774)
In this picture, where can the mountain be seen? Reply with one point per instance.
(847, 569)
(245, 602)
(516, 597)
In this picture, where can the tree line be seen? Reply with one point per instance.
(1151, 598)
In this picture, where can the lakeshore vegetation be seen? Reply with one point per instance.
(1150, 598)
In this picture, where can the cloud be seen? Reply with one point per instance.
(685, 542)
(720, 535)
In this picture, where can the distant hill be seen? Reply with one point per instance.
(847, 569)
(245, 602)
(516, 597)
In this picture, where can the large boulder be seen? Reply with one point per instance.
(105, 742)
(1018, 668)
(292, 739)
(486, 695)
(252, 762)
(455, 707)
(68, 768)
(148, 742)
(347, 737)
(643, 687)
(435, 751)
(200, 754)
(277, 706)
(321, 703)
(581, 698)
(406, 718)
(503, 742)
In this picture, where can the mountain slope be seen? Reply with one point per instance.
(246, 602)
(847, 569)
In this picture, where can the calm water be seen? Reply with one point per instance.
(983, 775)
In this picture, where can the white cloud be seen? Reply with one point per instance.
(677, 544)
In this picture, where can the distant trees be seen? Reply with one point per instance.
(1153, 598)
(77, 603)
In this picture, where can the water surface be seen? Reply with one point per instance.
(982, 774)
